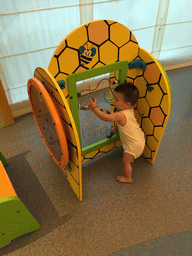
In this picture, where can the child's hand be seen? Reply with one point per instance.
(114, 129)
(92, 104)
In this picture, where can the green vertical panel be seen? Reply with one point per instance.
(3, 159)
(15, 220)
(73, 99)
(123, 72)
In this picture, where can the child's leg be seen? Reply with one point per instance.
(128, 159)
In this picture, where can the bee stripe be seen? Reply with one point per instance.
(85, 60)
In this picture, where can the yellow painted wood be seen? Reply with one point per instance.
(152, 111)
(154, 107)
(74, 175)
(5, 108)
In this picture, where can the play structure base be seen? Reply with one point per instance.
(15, 219)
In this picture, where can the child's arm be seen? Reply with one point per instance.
(114, 129)
(115, 117)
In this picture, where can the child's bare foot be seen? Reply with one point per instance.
(124, 179)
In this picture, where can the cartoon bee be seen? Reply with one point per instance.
(86, 55)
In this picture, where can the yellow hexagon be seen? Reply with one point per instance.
(60, 48)
(108, 53)
(158, 133)
(153, 156)
(138, 116)
(154, 97)
(152, 143)
(78, 38)
(145, 56)
(164, 84)
(147, 126)
(61, 76)
(110, 21)
(84, 160)
(129, 51)
(147, 152)
(140, 83)
(165, 104)
(99, 64)
(143, 107)
(53, 66)
(133, 38)
(130, 80)
(92, 154)
(69, 61)
(118, 143)
(119, 34)
(132, 73)
(107, 148)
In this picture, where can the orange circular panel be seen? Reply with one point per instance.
(48, 122)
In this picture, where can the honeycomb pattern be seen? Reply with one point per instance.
(100, 151)
(109, 40)
(154, 103)
(106, 42)
(100, 36)
(95, 44)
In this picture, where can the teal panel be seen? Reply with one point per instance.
(137, 64)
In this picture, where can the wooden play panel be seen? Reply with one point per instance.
(73, 169)
(93, 49)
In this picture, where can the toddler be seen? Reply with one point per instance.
(131, 135)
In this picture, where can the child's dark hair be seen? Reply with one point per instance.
(130, 92)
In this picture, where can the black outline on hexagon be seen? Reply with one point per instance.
(95, 43)
(149, 63)
(114, 45)
(124, 45)
(142, 125)
(150, 152)
(111, 23)
(57, 57)
(147, 142)
(160, 99)
(160, 85)
(149, 108)
(163, 114)
(130, 38)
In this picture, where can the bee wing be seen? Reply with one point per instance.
(81, 49)
(93, 50)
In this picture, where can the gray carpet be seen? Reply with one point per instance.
(32, 194)
(151, 216)
(34, 197)
(176, 245)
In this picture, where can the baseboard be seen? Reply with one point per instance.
(182, 65)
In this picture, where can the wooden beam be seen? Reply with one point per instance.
(5, 108)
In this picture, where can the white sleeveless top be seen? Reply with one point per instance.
(131, 135)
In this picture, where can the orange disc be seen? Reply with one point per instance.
(48, 121)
